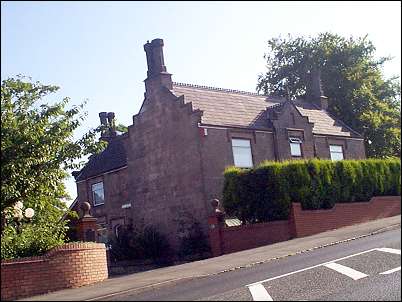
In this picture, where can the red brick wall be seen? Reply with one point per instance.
(301, 223)
(254, 235)
(307, 223)
(70, 265)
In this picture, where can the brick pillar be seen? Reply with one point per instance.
(292, 221)
(86, 226)
(215, 228)
(295, 219)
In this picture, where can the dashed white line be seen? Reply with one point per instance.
(345, 270)
(311, 267)
(391, 271)
(259, 293)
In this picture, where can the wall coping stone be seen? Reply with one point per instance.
(71, 246)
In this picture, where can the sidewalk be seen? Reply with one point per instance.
(219, 264)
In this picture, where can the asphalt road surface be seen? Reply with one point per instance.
(365, 269)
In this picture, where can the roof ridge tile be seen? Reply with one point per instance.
(219, 89)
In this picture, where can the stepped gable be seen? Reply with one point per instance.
(324, 123)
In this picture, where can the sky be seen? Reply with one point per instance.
(94, 50)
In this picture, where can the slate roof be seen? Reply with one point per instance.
(225, 107)
(221, 107)
(113, 157)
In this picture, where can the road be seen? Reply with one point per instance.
(365, 269)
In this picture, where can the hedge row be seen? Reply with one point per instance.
(266, 192)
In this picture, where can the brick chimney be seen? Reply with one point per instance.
(315, 92)
(107, 120)
(103, 118)
(157, 74)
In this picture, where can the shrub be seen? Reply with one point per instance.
(194, 243)
(266, 192)
(140, 244)
(32, 240)
(125, 246)
(230, 194)
(154, 245)
(192, 240)
(29, 236)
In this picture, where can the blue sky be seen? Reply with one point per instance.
(94, 50)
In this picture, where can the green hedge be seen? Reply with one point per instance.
(266, 192)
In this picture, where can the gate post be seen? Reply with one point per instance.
(86, 226)
(216, 224)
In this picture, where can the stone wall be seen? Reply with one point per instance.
(164, 166)
(217, 153)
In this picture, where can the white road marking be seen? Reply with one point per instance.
(391, 271)
(350, 272)
(388, 250)
(259, 293)
(311, 267)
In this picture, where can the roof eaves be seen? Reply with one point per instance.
(102, 173)
(208, 125)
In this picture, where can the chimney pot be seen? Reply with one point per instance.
(102, 117)
(155, 59)
(316, 91)
(110, 117)
(157, 74)
(111, 121)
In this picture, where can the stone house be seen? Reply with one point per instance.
(169, 164)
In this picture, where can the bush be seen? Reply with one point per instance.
(230, 193)
(125, 246)
(33, 240)
(194, 243)
(154, 245)
(140, 244)
(266, 192)
(23, 236)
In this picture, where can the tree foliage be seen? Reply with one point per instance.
(352, 79)
(37, 148)
(121, 127)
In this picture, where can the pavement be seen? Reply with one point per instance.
(217, 265)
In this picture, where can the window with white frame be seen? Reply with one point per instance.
(295, 146)
(98, 195)
(336, 152)
(242, 153)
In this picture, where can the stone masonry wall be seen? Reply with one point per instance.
(115, 186)
(353, 148)
(217, 154)
(164, 167)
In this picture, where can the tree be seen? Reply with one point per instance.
(37, 148)
(351, 79)
(121, 128)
